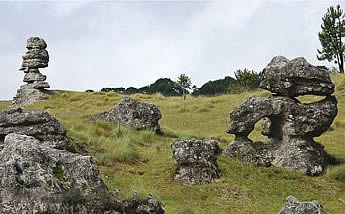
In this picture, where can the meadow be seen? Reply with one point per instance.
(141, 161)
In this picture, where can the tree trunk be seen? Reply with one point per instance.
(341, 64)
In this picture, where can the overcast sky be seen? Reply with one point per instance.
(96, 44)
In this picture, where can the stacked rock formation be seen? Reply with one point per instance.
(36, 57)
(289, 125)
(40, 173)
(294, 206)
(133, 114)
(196, 160)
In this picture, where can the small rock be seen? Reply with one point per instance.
(294, 206)
(196, 161)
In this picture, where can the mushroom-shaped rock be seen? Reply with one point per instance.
(133, 114)
(196, 161)
(289, 125)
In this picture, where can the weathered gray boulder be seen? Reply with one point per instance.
(36, 57)
(35, 178)
(133, 114)
(38, 124)
(30, 166)
(294, 206)
(196, 161)
(289, 125)
(294, 78)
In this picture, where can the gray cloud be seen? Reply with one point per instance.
(95, 44)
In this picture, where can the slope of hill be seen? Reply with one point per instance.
(142, 161)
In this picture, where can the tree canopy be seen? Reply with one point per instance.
(184, 82)
(331, 37)
(246, 80)
(216, 87)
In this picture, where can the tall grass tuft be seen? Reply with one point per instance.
(337, 173)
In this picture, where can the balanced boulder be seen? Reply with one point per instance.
(196, 161)
(133, 114)
(289, 125)
(294, 78)
(294, 206)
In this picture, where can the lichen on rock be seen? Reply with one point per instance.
(133, 114)
(289, 125)
(196, 161)
(294, 206)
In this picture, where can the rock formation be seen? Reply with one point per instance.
(37, 124)
(289, 125)
(36, 57)
(296, 77)
(41, 173)
(133, 114)
(294, 206)
(196, 161)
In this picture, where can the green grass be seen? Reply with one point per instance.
(142, 161)
(4, 104)
(337, 173)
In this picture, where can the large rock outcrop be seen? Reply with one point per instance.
(36, 178)
(289, 125)
(41, 173)
(196, 161)
(38, 124)
(133, 114)
(36, 57)
(294, 206)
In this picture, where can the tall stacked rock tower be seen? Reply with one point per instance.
(36, 57)
(289, 124)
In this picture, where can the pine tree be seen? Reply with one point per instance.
(333, 31)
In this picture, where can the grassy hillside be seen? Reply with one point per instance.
(141, 161)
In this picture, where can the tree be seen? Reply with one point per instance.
(246, 80)
(165, 86)
(184, 82)
(215, 87)
(333, 31)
